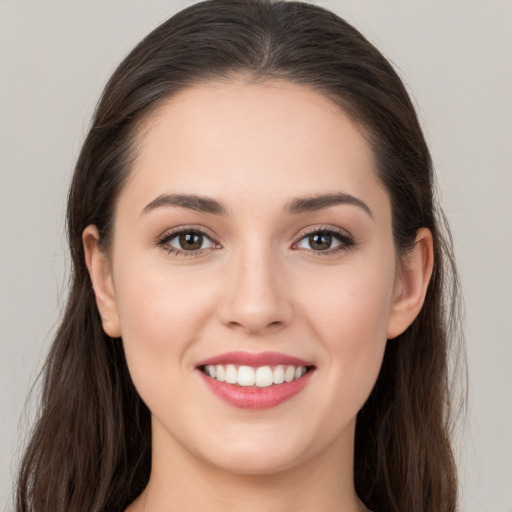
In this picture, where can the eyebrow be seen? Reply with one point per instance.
(189, 201)
(297, 206)
(314, 203)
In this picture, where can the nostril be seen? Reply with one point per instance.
(253, 327)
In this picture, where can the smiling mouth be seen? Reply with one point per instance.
(256, 377)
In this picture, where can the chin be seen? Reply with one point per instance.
(261, 451)
(256, 463)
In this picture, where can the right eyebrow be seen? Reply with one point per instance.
(190, 201)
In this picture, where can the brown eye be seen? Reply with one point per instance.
(325, 241)
(320, 241)
(190, 241)
(186, 241)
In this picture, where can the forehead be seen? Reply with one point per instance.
(247, 140)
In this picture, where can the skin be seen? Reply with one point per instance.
(258, 286)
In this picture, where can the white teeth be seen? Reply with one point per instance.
(211, 370)
(246, 376)
(299, 371)
(260, 377)
(289, 374)
(264, 377)
(220, 373)
(231, 374)
(279, 374)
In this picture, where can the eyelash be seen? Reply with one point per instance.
(346, 242)
(164, 240)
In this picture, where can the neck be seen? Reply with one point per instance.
(180, 481)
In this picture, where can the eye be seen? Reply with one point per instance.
(186, 241)
(325, 240)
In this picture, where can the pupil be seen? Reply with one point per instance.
(320, 241)
(191, 241)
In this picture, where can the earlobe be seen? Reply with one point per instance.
(412, 284)
(100, 272)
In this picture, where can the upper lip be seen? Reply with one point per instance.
(254, 359)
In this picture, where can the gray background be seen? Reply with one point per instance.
(456, 59)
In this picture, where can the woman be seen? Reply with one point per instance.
(262, 295)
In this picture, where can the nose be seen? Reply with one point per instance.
(255, 298)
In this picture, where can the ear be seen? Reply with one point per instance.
(101, 276)
(411, 284)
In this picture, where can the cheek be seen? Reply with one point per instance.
(351, 322)
(161, 314)
(352, 303)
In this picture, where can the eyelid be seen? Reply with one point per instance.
(346, 240)
(163, 240)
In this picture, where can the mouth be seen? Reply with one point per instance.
(259, 377)
(255, 381)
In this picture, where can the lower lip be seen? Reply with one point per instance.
(253, 397)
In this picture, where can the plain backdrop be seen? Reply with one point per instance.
(456, 59)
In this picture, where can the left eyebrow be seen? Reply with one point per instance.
(314, 203)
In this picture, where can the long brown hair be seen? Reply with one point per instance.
(91, 447)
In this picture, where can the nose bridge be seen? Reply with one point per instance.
(255, 299)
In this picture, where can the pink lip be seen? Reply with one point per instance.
(253, 397)
(254, 359)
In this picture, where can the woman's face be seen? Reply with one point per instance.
(252, 237)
